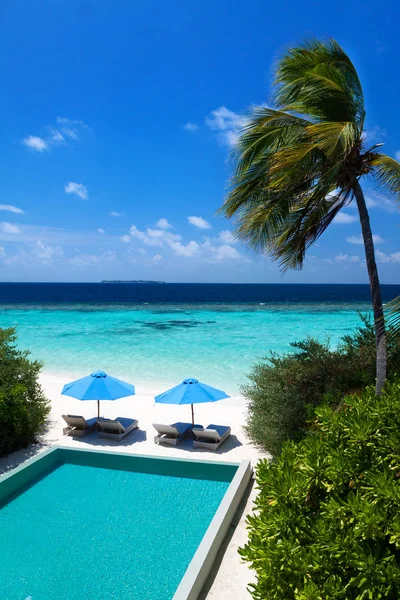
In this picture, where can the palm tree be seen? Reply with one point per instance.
(301, 162)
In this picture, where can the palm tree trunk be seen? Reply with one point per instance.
(375, 288)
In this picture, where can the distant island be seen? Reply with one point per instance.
(130, 281)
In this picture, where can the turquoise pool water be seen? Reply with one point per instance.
(90, 533)
(167, 343)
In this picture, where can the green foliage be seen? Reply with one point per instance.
(282, 387)
(23, 406)
(392, 317)
(326, 523)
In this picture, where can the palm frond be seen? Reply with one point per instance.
(267, 131)
(318, 79)
(334, 137)
(386, 171)
(392, 318)
(305, 224)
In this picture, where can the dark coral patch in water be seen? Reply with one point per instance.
(163, 325)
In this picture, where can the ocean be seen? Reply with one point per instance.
(167, 332)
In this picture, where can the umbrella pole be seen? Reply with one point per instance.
(192, 414)
(98, 409)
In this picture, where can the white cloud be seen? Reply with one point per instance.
(374, 134)
(163, 224)
(71, 122)
(206, 251)
(36, 143)
(125, 238)
(56, 137)
(10, 208)
(227, 252)
(231, 138)
(345, 258)
(358, 239)
(65, 129)
(87, 260)
(343, 218)
(157, 258)
(223, 119)
(192, 127)
(77, 188)
(381, 257)
(379, 201)
(29, 234)
(227, 237)
(199, 222)
(9, 228)
(113, 213)
(215, 254)
(397, 156)
(370, 202)
(190, 249)
(226, 124)
(100, 230)
(152, 237)
(46, 253)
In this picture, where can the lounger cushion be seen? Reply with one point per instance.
(91, 422)
(220, 429)
(181, 427)
(125, 422)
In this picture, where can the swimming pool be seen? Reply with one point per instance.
(103, 525)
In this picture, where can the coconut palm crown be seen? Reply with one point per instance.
(300, 163)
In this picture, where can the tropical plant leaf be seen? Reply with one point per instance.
(392, 318)
(335, 137)
(387, 173)
(319, 80)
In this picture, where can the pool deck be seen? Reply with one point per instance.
(230, 576)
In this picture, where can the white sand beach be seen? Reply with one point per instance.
(230, 576)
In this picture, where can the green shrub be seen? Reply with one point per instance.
(327, 519)
(23, 406)
(282, 387)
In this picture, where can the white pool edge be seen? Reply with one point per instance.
(201, 564)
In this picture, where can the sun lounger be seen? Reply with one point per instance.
(78, 425)
(211, 437)
(171, 434)
(116, 429)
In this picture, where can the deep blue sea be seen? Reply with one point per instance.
(166, 332)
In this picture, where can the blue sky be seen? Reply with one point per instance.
(118, 118)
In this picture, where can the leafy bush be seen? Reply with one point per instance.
(282, 387)
(327, 523)
(23, 406)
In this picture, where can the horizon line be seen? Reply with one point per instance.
(150, 283)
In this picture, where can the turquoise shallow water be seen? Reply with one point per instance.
(84, 532)
(166, 343)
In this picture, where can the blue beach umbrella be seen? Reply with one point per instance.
(98, 386)
(191, 391)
